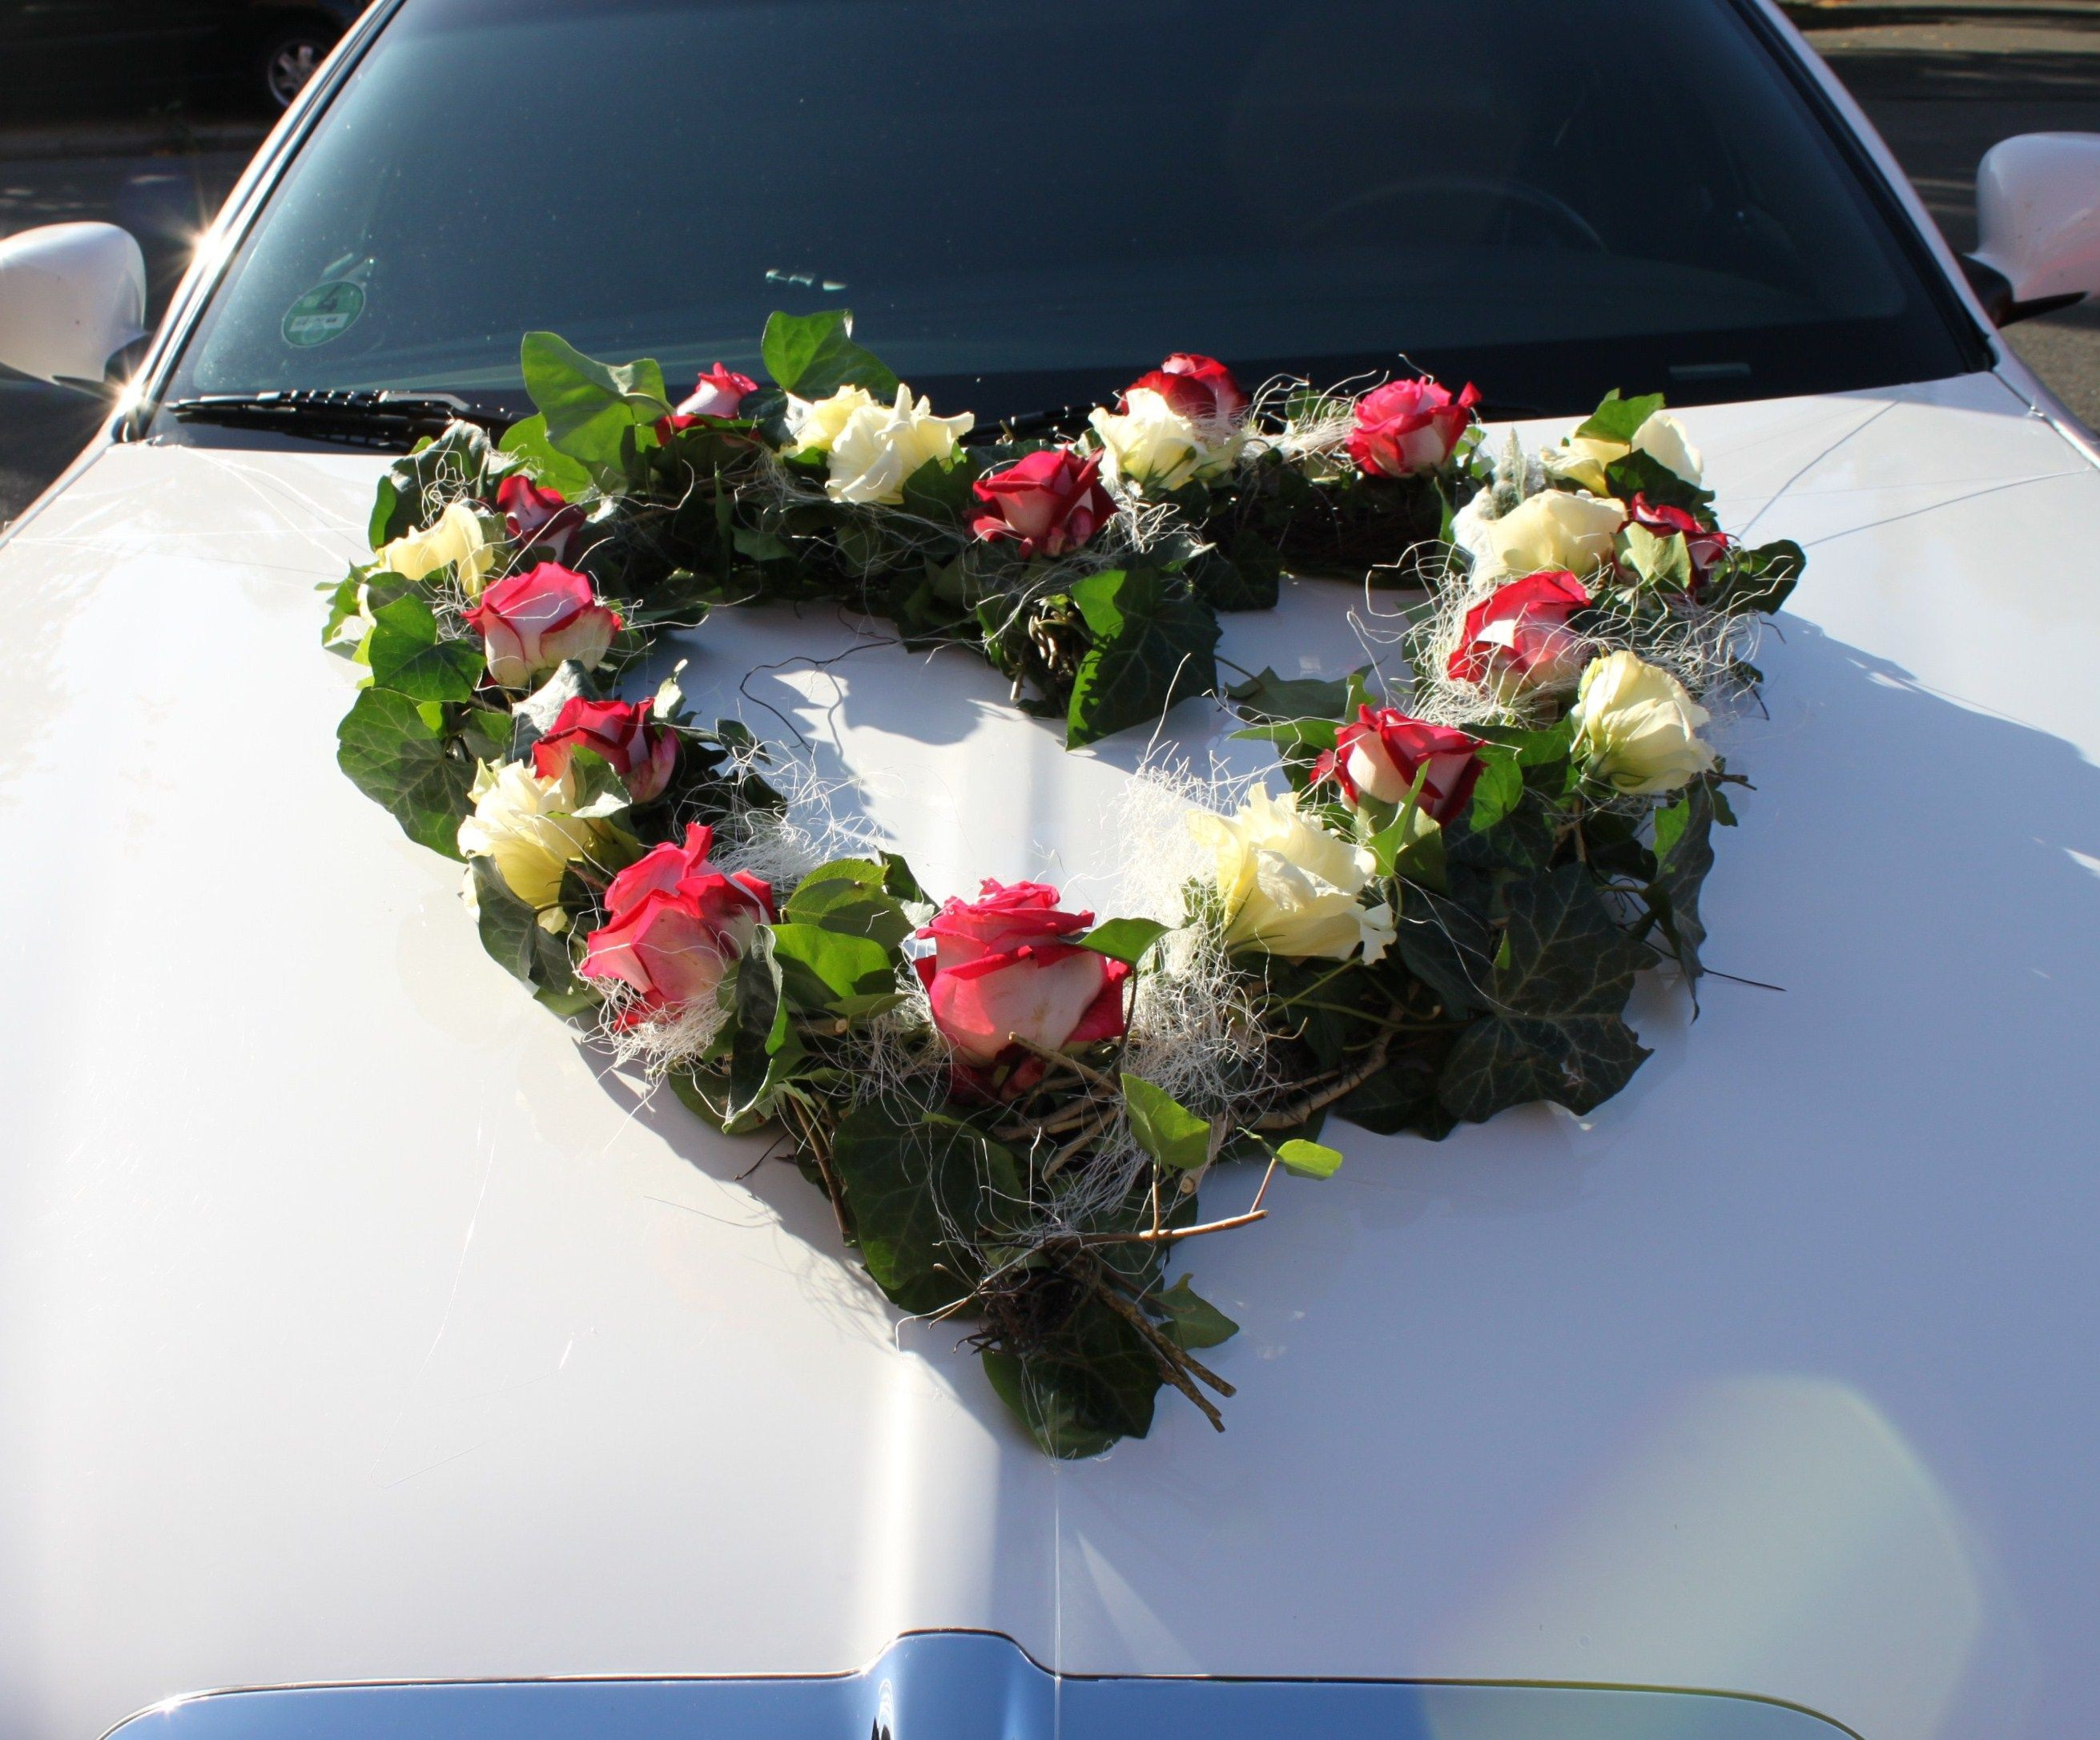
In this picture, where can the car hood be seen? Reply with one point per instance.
(356, 1322)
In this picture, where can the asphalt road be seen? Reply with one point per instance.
(1944, 82)
(164, 196)
(1943, 90)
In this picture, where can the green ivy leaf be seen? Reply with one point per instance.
(1154, 644)
(1553, 1029)
(1661, 564)
(922, 1192)
(1643, 475)
(1300, 699)
(1499, 790)
(592, 409)
(1309, 1159)
(812, 355)
(1124, 939)
(455, 464)
(1684, 853)
(848, 896)
(401, 753)
(1163, 1127)
(551, 468)
(762, 1044)
(406, 656)
(1093, 1381)
(1194, 1322)
(1618, 419)
(832, 970)
(1757, 580)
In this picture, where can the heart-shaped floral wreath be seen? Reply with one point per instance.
(1010, 1106)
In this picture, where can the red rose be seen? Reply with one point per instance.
(1050, 500)
(533, 515)
(642, 754)
(1517, 638)
(1002, 966)
(717, 394)
(1705, 547)
(531, 621)
(673, 924)
(1380, 755)
(1408, 427)
(1199, 388)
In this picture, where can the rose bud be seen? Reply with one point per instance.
(1002, 966)
(1381, 754)
(674, 923)
(457, 540)
(1705, 547)
(1517, 640)
(1637, 728)
(1289, 887)
(533, 515)
(531, 622)
(1582, 460)
(717, 394)
(1407, 428)
(641, 753)
(1178, 423)
(1200, 388)
(1551, 530)
(1053, 501)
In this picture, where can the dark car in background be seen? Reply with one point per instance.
(70, 52)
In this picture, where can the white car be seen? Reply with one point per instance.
(367, 1343)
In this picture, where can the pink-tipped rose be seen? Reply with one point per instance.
(674, 923)
(533, 515)
(1407, 428)
(1381, 754)
(1517, 640)
(717, 394)
(531, 622)
(1704, 546)
(1003, 966)
(641, 753)
(1199, 388)
(1052, 502)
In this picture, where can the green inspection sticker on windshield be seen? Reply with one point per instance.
(328, 311)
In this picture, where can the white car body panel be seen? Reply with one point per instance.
(354, 1324)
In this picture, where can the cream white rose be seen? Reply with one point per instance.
(816, 423)
(1288, 885)
(1149, 442)
(1636, 728)
(1581, 460)
(523, 822)
(879, 447)
(1551, 530)
(458, 538)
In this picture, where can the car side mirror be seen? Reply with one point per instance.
(71, 295)
(2038, 224)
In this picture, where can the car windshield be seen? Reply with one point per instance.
(1024, 204)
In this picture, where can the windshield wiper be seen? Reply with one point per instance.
(361, 418)
(1064, 419)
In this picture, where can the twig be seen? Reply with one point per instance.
(821, 1154)
(1181, 1353)
(1288, 1117)
(1085, 1072)
(1172, 1366)
(1093, 1132)
(1170, 1234)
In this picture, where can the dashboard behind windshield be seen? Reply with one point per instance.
(1026, 204)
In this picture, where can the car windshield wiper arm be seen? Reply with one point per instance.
(357, 418)
(1064, 419)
